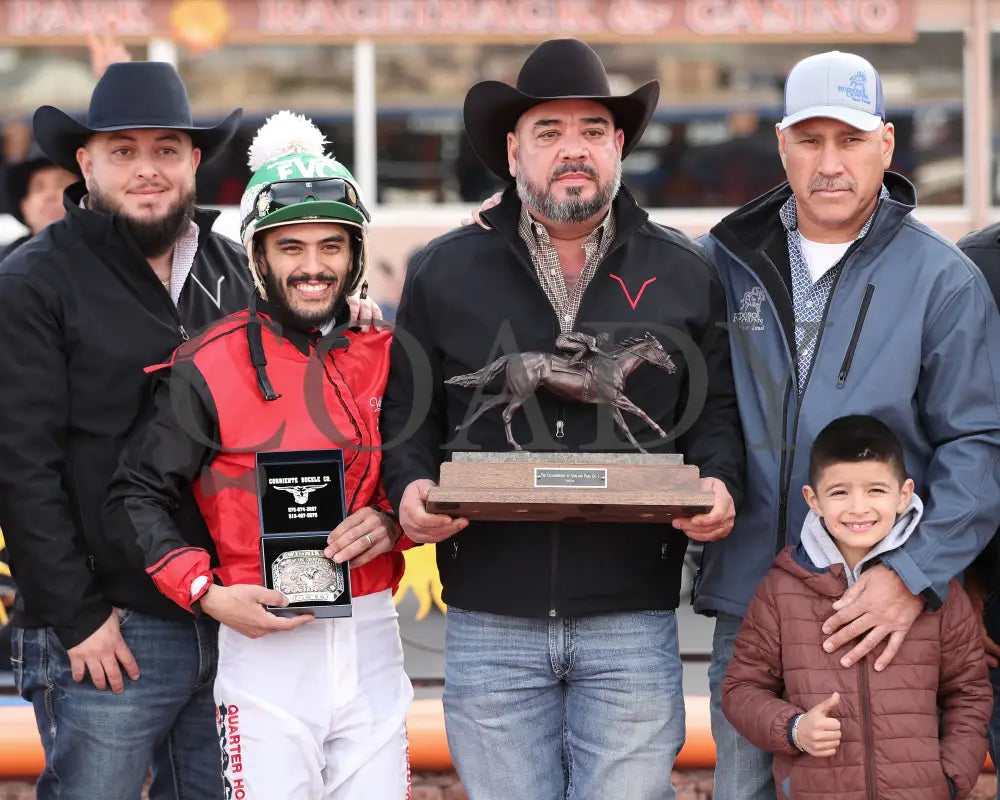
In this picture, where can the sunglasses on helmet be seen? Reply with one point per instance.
(275, 196)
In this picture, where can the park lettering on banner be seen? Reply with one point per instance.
(212, 23)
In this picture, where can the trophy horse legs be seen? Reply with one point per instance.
(493, 402)
(524, 375)
(508, 414)
(623, 403)
(622, 424)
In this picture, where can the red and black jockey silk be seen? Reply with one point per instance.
(329, 396)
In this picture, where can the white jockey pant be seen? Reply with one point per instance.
(316, 713)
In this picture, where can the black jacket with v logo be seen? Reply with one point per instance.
(81, 314)
(471, 295)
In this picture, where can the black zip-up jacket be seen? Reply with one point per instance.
(81, 314)
(10, 248)
(983, 247)
(472, 293)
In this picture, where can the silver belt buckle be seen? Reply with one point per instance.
(307, 576)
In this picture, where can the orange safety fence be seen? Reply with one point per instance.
(21, 750)
(4, 571)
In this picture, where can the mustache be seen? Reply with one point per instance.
(821, 184)
(580, 167)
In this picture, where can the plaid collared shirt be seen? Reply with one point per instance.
(545, 259)
(809, 299)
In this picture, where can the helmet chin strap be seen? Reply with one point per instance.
(258, 279)
(360, 264)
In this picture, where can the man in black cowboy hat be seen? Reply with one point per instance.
(562, 669)
(113, 287)
(34, 189)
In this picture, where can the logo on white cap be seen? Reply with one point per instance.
(858, 89)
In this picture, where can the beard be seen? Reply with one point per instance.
(280, 294)
(574, 209)
(153, 237)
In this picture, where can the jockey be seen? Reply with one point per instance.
(579, 345)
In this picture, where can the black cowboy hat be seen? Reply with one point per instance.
(558, 69)
(130, 95)
(17, 176)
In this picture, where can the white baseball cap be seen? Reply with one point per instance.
(836, 85)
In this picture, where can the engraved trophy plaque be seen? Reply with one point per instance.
(301, 499)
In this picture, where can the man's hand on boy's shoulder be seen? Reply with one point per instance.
(879, 605)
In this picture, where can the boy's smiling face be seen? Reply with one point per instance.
(858, 502)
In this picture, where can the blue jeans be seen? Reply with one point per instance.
(550, 709)
(99, 745)
(742, 771)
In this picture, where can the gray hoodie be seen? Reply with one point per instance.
(822, 549)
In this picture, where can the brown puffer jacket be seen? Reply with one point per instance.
(893, 746)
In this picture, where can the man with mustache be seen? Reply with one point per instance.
(319, 709)
(128, 273)
(562, 673)
(866, 311)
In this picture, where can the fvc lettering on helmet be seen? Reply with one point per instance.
(306, 168)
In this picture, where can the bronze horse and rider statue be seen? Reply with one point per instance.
(586, 375)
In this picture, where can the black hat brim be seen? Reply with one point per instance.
(16, 178)
(492, 109)
(59, 135)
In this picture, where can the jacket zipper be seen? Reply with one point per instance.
(164, 290)
(783, 463)
(561, 433)
(866, 713)
(554, 572)
(787, 479)
(561, 412)
(174, 311)
(784, 466)
(845, 368)
(789, 447)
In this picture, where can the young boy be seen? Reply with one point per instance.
(853, 732)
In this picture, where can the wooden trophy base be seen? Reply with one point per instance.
(569, 487)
